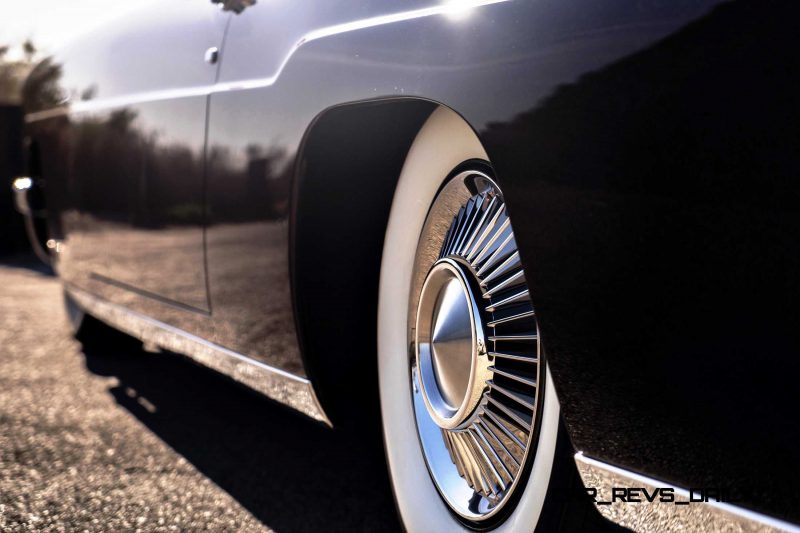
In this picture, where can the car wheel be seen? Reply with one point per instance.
(470, 414)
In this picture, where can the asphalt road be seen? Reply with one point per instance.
(108, 437)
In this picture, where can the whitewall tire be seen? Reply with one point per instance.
(443, 144)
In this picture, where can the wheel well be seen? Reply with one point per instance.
(350, 160)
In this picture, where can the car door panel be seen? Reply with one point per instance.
(138, 164)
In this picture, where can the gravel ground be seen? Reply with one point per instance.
(107, 437)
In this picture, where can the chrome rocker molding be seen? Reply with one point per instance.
(657, 516)
(293, 391)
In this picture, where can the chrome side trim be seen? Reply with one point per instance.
(279, 385)
(445, 8)
(662, 516)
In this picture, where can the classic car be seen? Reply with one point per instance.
(550, 248)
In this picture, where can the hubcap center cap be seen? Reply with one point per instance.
(451, 350)
(451, 343)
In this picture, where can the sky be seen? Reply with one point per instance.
(52, 23)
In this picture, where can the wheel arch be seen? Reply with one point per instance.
(345, 175)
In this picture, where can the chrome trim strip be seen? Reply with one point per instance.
(451, 7)
(293, 391)
(661, 516)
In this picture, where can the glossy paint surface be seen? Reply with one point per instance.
(659, 195)
(135, 172)
(653, 200)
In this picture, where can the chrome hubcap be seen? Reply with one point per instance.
(475, 361)
(451, 350)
